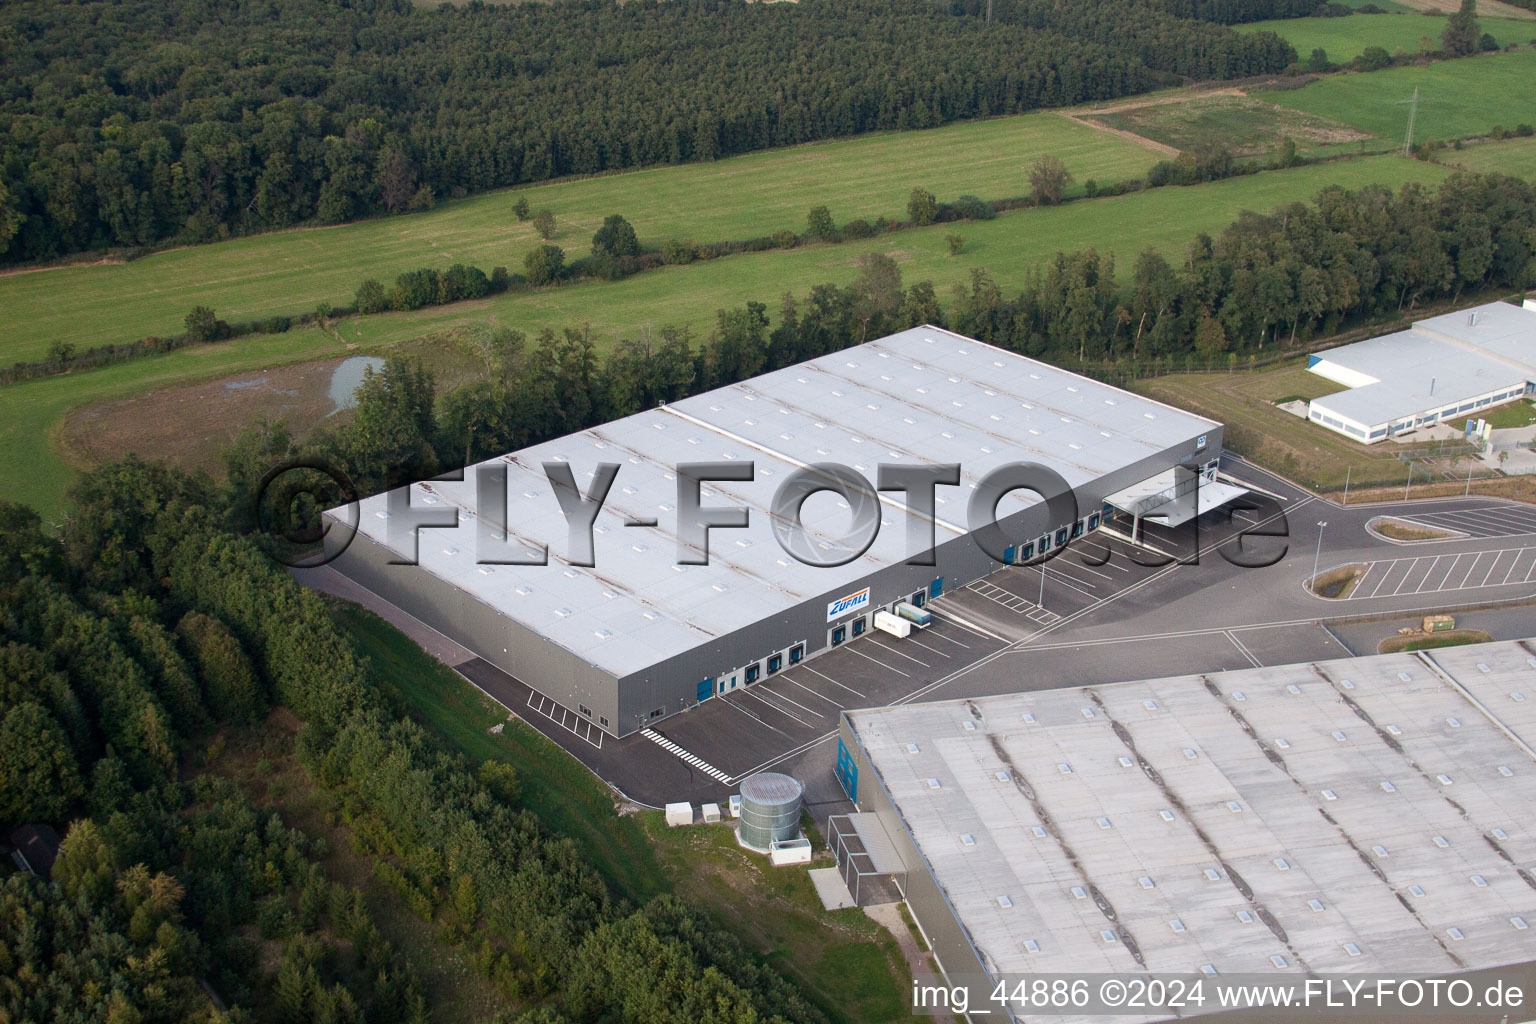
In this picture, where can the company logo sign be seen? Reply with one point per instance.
(847, 603)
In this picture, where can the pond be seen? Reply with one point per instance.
(347, 376)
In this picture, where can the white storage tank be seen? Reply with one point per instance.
(770, 809)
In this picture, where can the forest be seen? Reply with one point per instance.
(132, 123)
(136, 639)
(1262, 286)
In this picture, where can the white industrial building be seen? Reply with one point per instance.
(1360, 816)
(639, 635)
(1441, 369)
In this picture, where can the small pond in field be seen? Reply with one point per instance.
(347, 376)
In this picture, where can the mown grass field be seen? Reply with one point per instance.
(292, 271)
(1515, 157)
(1257, 429)
(1459, 97)
(1346, 38)
(1007, 247)
(34, 468)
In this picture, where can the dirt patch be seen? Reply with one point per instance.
(1429, 641)
(1335, 584)
(1487, 8)
(189, 425)
(1249, 125)
(1408, 532)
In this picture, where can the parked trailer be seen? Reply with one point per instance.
(892, 624)
(913, 614)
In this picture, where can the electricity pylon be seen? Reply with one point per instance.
(1413, 115)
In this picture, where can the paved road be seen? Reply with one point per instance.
(1227, 593)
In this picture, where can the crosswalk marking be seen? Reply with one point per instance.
(677, 751)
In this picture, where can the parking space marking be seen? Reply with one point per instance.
(1434, 566)
(1434, 574)
(813, 693)
(759, 719)
(784, 697)
(564, 717)
(834, 682)
(885, 646)
(925, 647)
(882, 664)
(758, 697)
(1492, 521)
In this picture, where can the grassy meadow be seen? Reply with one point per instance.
(291, 272)
(34, 466)
(1458, 97)
(1344, 39)
(1515, 157)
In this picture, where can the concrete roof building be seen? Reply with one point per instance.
(638, 636)
(1441, 369)
(1367, 815)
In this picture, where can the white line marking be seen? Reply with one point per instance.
(814, 693)
(877, 661)
(834, 682)
(786, 714)
(885, 646)
(780, 696)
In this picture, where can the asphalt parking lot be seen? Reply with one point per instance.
(1110, 612)
(1481, 520)
(1452, 572)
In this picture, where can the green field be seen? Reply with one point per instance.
(1460, 97)
(1515, 157)
(743, 197)
(1007, 247)
(33, 468)
(1346, 38)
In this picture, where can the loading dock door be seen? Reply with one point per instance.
(1008, 554)
(706, 689)
(936, 588)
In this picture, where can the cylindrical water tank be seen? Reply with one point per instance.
(770, 809)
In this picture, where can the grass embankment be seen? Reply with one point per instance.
(843, 961)
(1458, 98)
(291, 272)
(34, 469)
(1344, 39)
(1430, 641)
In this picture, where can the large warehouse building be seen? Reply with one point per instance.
(1441, 369)
(638, 635)
(1361, 816)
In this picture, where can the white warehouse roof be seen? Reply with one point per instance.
(1436, 365)
(923, 396)
(1370, 805)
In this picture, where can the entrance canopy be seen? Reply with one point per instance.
(1173, 498)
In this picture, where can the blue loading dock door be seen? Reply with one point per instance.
(706, 689)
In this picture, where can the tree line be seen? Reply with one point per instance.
(130, 644)
(1264, 284)
(131, 123)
